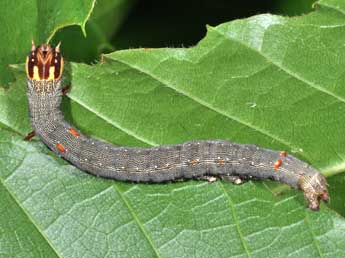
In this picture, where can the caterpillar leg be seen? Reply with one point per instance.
(66, 89)
(233, 179)
(210, 179)
(29, 136)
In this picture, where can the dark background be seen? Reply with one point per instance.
(157, 23)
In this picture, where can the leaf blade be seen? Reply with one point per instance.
(137, 93)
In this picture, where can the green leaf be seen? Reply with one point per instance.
(79, 214)
(42, 20)
(336, 189)
(294, 7)
(20, 236)
(273, 81)
(104, 22)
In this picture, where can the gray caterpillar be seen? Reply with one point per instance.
(195, 159)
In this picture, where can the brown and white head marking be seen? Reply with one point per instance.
(44, 63)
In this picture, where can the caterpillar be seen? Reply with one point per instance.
(206, 159)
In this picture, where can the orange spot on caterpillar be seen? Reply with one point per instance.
(222, 161)
(277, 164)
(73, 132)
(61, 147)
(194, 162)
(283, 153)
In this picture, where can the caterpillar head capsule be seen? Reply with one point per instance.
(44, 63)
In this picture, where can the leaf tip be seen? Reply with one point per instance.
(209, 27)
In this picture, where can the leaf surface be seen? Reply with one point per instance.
(273, 81)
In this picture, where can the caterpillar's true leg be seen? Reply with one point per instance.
(66, 89)
(233, 179)
(29, 136)
(210, 179)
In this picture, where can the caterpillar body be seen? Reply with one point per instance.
(194, 159)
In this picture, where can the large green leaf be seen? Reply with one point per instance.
(23, 20)
(273, 81)
(79, 215)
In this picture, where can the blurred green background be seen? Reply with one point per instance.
(127, 24)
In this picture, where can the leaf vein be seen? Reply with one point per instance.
(234, 216)
(206, 104)
(136, 219)
(315, 243)
(11, 193)
(112, 123)
(287, 71)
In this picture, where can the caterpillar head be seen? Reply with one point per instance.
(44, 63)
(315, 188)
